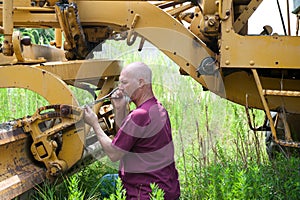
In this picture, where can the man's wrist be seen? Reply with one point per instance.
(96, 125)
(98, 130)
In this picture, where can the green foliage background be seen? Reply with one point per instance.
(217, 156)
(37, 35)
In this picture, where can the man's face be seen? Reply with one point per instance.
(128, 84)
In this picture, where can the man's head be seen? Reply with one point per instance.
(136, 79)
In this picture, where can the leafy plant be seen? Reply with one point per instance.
(157, 193)
(38, 36)
(120, 193)
(74, 190)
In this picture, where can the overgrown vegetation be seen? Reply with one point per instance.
(217, 156)
(17, 103)
(37, 35)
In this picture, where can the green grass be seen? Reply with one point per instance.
(17, 103)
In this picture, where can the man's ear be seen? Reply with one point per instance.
(141, 82)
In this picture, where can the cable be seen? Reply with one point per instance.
(281, 17)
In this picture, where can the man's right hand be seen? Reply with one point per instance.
(119, 100)
(90, 117)
(120, 103)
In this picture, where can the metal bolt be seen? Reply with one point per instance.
(211, 22)
(54, 144)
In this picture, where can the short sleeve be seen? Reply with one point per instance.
(131, 129)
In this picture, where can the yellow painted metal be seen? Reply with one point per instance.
(48, 126)
(240, 53)
(46, 84)
(7, 60)
(33, 54)
(240, 84)
(7, 27)
(287, 131)
(281, 93)
(159, 32)
(242, 20)
(178, 10)
(237, 51)
(24, 15)
(83, 70)
(265, 104)
(206, 22)
(24, 3)
(210, 7)
(288, 139)
(7, 22)
(17, 172)
(221, 13)
(260, 51)
(17, 46)
(69, 22)
(58, 38)
(49, 81)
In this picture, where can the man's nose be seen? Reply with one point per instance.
(120, 86)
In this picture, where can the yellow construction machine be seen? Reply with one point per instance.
(208, 39)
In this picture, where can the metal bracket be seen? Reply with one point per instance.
(131, 37)
(46, 127)
(18, 50)
(220, 10)
(75, 43)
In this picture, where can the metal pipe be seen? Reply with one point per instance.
(288, 16)
(8, 26)
(265, 104)
(281, 17)
(281, 93)
(287, 130)
(58, 38)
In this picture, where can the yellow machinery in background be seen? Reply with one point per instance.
(207, 39)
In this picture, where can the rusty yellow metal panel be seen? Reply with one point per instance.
(18, 172)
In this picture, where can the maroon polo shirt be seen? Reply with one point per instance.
(145, 136)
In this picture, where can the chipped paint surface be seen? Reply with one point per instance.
(18, 172)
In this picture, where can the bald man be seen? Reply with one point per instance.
(143, 143)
